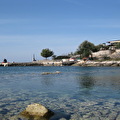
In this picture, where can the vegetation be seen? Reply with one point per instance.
(61, 57)
(102, 46)
(85, 49)
(5, 61)
(46, 53)
(117, 45)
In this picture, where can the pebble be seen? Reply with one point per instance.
(72, 109)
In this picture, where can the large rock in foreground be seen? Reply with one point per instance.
(37, 111)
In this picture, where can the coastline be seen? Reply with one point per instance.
(60, 63)
(21, 64)
(98, 63)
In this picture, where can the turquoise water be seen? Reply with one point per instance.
(86, 93)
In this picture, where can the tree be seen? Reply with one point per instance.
(102, 47)
(62, 57)
(117, 45)
(86, 48)
(5, 60)
(46, 53)
(53, 57)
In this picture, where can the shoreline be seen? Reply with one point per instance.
(20, 64)
(98, 64)
(60, 63)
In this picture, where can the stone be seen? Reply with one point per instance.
(47, 73)
(57, 72)
(99, 63)
(118, 117)
(36, 111)
(76, 116)
(17, 117)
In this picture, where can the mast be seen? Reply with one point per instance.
(33, 58)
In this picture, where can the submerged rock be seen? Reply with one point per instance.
(57, 72)
(37, 111)
(47, 73)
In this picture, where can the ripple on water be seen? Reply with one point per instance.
(76, 93)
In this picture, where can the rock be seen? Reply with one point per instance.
(118, 117)
(99, 63)
(47, 73)
(76, 116)
(62, 119)
(57, 72)
(17, 117)
(37, 111)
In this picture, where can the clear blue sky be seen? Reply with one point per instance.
(28, 26)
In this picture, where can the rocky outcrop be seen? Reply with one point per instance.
(103, 63)
(37, 111)
(115, 55)
(111, 54)
(101, 53)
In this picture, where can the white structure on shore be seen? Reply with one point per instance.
(114, 41)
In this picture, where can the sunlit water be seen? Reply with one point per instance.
(77, 92)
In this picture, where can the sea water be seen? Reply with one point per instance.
(77, 93)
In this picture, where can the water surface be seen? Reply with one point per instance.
(86, 93)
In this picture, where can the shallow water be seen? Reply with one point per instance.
(85, 93)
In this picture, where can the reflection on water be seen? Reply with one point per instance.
(77, 90)
(47, 80)
(87, 81)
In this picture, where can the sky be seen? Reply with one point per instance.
(28, 26)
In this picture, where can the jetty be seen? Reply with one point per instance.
(60, 63)
(21, 64)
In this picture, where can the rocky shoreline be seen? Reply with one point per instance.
(60, 63)
(21, 64)
(94, 63)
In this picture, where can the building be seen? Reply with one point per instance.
(114, 41)
(113, 51)
(113, 44)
